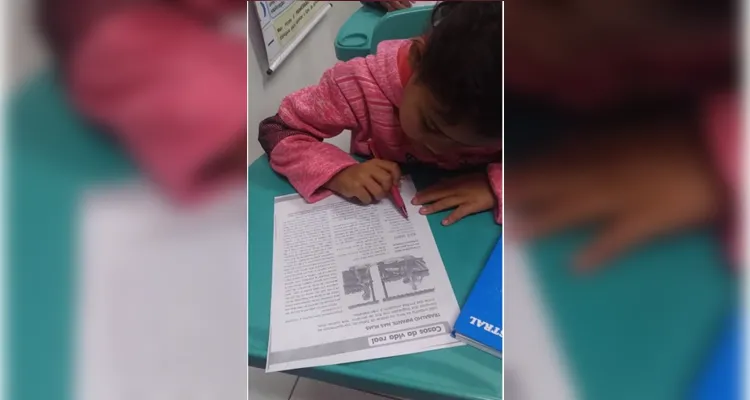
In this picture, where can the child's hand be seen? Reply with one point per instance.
(368, 182)
(639, 185)
(395, 5)
(468, 194)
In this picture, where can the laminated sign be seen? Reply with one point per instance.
(285, 24)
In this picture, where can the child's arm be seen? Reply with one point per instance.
(293, 138)
(373, 4)
(723, 134)
(166, 83)
(387, 5)
(495, 175)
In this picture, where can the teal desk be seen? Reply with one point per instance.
(54, 156)
(456, 373)
(644, 326)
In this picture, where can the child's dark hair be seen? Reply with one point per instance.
(462, 63)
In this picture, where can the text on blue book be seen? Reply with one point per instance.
(495, 330)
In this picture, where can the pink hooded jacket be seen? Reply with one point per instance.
(161, 77)
(362, 95)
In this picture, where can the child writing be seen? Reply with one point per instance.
(163, 79)
(639, 178)
(436, 100)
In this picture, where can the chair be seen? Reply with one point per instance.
(361, 33)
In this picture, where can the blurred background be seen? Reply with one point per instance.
(114, 290)
(622, 188)
(27, 53)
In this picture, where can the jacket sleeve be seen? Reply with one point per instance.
(373, 4)
(293, 138)
(171, 89)
(495, 175)
(723, 136)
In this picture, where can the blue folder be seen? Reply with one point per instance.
(480, 322)
(720, 380)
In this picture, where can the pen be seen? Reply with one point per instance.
(395, 194)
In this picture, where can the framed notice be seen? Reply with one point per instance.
(284, 24)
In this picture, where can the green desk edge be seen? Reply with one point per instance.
(455, 373)
(54, 157)
(368, 26)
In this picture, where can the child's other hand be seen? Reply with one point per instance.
(395, 5)
(367, 182)
(638, 185)
(468, 194)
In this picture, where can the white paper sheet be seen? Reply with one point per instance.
(354, 282)
(531, 354)
(162, 297)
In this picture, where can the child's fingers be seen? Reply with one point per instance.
(615, 239)
(387, 5)
(392, 168)
(363, 195)
(459, 213)
(440, 205)
(374, 188)
(519, 190)
(433, 193)
(398, 5)
(561, 215)
(383, 178)
(430, 195)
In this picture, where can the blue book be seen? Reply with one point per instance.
(720, 379)
(480, 322)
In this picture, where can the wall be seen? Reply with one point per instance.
(304, 67)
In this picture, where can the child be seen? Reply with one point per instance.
(161, 77)
(673, 168)
(435, 100)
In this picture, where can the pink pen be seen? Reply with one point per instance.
(395, 194)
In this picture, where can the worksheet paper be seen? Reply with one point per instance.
(353, 283)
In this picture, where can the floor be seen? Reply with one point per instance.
(281, 386)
